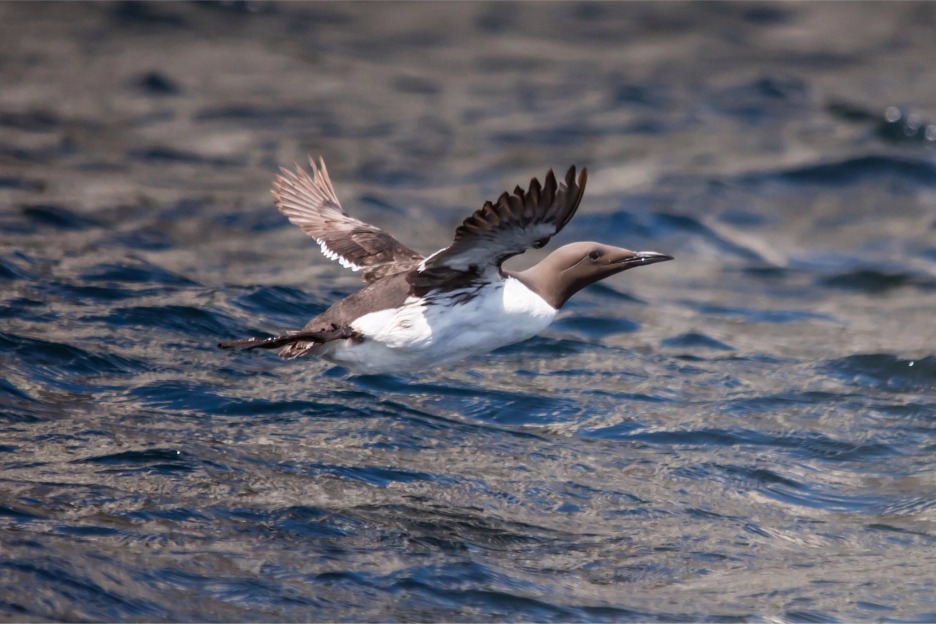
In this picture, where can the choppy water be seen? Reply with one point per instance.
(747, 433)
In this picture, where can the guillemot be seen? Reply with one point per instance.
(416, 312)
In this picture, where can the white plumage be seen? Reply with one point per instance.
(420, 335)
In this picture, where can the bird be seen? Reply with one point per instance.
(418, 312)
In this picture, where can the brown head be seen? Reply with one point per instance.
(571, 268)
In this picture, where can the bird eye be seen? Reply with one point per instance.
(540, 243)
(594, 255)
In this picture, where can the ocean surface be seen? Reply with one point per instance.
(747, 433)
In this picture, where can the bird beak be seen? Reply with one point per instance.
(630, 259)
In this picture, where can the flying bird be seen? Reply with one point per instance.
(418, 312)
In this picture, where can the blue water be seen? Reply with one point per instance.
(744, 434)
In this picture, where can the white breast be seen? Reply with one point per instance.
(421, 335)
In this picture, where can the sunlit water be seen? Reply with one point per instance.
(746, 433)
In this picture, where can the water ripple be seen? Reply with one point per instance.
(883, 371)
(744, 434)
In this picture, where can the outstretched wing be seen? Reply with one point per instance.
(511, 225)
(309, 201)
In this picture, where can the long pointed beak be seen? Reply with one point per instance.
(641, 258)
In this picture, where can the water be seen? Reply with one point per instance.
(746, 433)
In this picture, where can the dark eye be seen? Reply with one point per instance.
(540, 243)
(594, 255)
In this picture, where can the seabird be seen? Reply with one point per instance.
(417, 312)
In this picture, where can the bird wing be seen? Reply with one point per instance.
(510, 226)
(309, 201)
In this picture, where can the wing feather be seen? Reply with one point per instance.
(309, 201)
(511, 225)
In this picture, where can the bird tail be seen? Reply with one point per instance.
(247, 344)
(296, 343)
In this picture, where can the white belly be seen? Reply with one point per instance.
(417, 335)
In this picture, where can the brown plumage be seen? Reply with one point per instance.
(310, 202)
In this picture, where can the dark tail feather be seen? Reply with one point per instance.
(321, 336)
(258, 343)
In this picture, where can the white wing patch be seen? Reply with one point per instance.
(331, 255)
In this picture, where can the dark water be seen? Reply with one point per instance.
(747, 433)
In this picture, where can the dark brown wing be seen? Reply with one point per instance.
(310, 202)
(511, 225)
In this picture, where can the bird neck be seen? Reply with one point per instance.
(546, 282)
